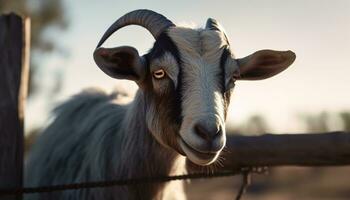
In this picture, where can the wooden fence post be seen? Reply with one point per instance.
(14, 68)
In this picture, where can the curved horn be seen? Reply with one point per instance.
(212, 24)
(154, 22)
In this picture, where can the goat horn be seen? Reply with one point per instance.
(154, 22)
(212, 24)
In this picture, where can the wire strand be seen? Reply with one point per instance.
(112, 183)
(245, 183)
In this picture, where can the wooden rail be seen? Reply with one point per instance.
(270, 150)
(310, 149)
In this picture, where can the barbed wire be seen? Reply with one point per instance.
(112, 183)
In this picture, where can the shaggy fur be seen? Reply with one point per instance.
(93, 138)
(87, 142)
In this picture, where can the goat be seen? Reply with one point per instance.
(178, 113)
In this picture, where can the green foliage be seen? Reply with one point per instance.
(257, 125)
(44, 14)
(345, 116)
(254, 125)
(316, 122)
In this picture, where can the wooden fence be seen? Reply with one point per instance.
(331, 149)
(14, 66)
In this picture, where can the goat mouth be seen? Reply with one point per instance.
(195, 156)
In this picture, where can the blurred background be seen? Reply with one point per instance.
(311, 96)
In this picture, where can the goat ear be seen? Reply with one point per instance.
(264, 64)
(121, 62)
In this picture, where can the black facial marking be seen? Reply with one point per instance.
(162, 45)
(178, 95)
(167, 113)
(226, 52)
(225, 92)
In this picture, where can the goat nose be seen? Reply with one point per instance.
(206, 131)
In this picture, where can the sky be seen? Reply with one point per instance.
(318, 31)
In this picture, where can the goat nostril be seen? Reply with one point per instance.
(205, 132)
(201, 132)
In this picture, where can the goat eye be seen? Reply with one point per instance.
(158, 74)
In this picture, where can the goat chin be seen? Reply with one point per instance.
(197, 157)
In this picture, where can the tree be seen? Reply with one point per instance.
(317, 122)
(45, 15)
(345, 116)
